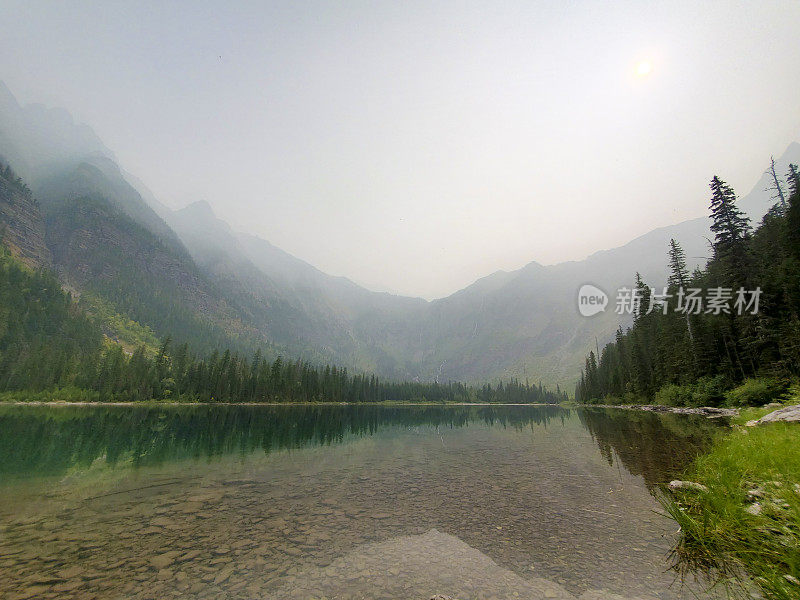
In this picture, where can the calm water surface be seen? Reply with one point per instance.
(339, 502)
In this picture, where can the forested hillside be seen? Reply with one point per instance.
(740, 327)
(50, 349)
(45, 339)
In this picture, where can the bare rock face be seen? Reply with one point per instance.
(788, 414)
(21, 224)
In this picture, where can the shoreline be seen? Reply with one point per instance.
(738, 508)
(709, 412)
(705, 411)
(173, 403)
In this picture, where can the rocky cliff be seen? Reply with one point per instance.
(21, 223)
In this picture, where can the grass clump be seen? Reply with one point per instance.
(745, 530)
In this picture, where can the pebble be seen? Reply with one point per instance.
(277, 529)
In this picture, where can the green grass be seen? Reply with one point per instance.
(723, 541)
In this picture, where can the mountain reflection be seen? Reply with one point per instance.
(51, 440)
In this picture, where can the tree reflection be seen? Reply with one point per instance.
(655, 446)
(51, 440)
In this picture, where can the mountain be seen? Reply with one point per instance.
(522, 323)
(38, 141)
(189, 275)
(310, 312)
(100, 177)
(525, 323)
(106, 242)
(21, 224)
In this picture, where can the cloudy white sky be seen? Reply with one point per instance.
(416, 146)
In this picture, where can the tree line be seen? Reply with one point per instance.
(231, 377)
(47, 343)
(699, 355)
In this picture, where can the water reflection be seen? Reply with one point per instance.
(655, 446)
(51, 440)
(370, 502)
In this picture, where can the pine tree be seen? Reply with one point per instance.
(679, 278)
(679, 274)
(793, 212)
(642, 292)
(731, 230)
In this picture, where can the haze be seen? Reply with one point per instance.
(416, 148)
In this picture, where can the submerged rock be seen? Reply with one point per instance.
(788, 414)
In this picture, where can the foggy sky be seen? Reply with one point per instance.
(417, 146)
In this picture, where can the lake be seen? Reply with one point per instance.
(321, 501)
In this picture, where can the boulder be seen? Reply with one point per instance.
(677, 484)
(754, 509)
(788, 414)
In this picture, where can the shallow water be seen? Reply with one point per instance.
(339, 502)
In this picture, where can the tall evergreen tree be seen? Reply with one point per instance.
(679, 279)
(679, 274)
(731, 229)
(793, 212)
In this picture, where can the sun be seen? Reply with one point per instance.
(644, 68)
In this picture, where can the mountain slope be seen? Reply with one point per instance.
(99, 177)
(21, 223)
(523, 323)
(305, 310)
(188, 274)
(107, 242)
(526, 323)
(44, 338)
(37, 140)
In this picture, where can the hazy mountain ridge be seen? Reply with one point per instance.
(108, 233)
(38, 141)
(337, 318)
(107, 240)
(534, 310)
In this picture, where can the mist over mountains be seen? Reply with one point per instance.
(149, 272)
